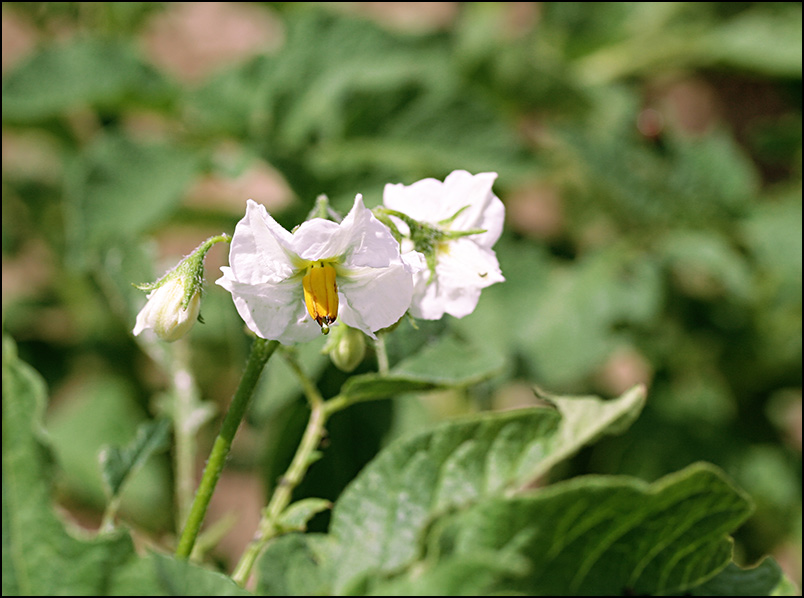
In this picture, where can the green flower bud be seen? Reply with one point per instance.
(346, 347)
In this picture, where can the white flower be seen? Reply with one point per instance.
(288, 286)
(457, 223)
(166, 313)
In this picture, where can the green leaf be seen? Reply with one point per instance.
(105, 412)
(117, 463)
(77, 74)
(40, 557)
(707, 265)
(298, 514)
(765, 579)
(761, 40)
(470, 575)
(600, 536)
(290, 566)
(446, 363)
(380, 518)
(576, 316)
(163, 575)
(118, 188)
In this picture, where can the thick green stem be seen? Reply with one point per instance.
(261, 350)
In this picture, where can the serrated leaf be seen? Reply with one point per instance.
(40, 557)
(765, 579)
(604, 536)
(163, 575)
(447, 363)
(118, 463)
(380, 518)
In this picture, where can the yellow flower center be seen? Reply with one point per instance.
(321, 294)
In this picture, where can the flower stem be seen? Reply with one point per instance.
(268, 527)
(305, 456)
(261, 351)
(382, 354)
(185, 402)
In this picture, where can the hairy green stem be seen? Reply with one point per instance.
(185, 398)
(261, 351)
(305, 456)
(268, 527)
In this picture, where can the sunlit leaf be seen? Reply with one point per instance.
(379, 520)
(604, 536)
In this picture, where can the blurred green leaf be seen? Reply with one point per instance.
(707, 265)
(765, 579)
(705, 181)
(576, 317)
(119, 188)
(765, 39)
(81, 73)
(345, 103)
(165, 575)
(290, 566)
(104, 412)
(118, 463)
(298, 514)
(40, 556)
(446, 363)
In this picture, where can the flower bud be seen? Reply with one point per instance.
(346, 347)
(166, 312)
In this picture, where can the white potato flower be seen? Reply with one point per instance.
(291, 286)
(451, 226)
(168, 311)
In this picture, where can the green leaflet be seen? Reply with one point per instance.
(40, 557)
(380, 520)
(448, 362)
(118, 463)
(596, 536)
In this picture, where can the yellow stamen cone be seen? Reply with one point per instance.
(321, 294)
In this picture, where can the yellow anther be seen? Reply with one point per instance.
(321, 294)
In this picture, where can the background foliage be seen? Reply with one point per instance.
(649, 155)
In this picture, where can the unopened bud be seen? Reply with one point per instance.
(166, 313)
(346, 347)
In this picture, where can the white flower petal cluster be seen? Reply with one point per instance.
(282, 282)
(165, 312)
(464, 262)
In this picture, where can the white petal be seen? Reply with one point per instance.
(467, 264)
(485, 211)
(260, 248)
(271, 311)
(375, 298)
(164, 312)
(422, 201)
(461, 273)
(430, 200)
(317, 239)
